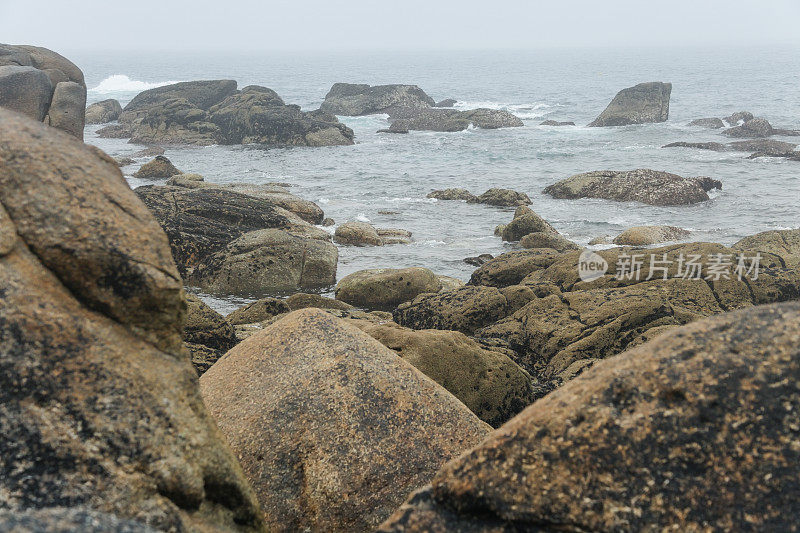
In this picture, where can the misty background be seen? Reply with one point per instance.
(410, 25)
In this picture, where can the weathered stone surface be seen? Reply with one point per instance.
(103, 112)
(96, 394)
(337, 429)
(646, 102)
(201, 94)
(450, 283)
(450, 120)
(740, 116)
(357, 234)
(546, 239)
(206, 326)
(390, 236)
(386, 288)
(711, 123)
(783, 243)
(692, 431)
(53, 64)
(270, 261)
(763, 147)
(512, 267)
(502, 198)
(280, 197)
(25, 90)
(647, 235)
(361, 99)
(464, 309)
(489, 383)
(301, 300)
(713, 146)
(755, 127)
(67, 108)
(158, 168)
(258, 311)
(525, 221)
(642, 185)
(452, 194)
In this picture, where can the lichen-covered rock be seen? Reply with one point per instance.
(512, 267)
(258, 311)
(647, 235)
(357, 234)
(158, 168)
(694, 430)
(97, 396)
(755, 127)
(643, 103)
(103, 112)
(452, 194)
(711, 123)
(525, 221)
(489, 383)
(386, 288)
(783, 243)
(337, 428)
(450, 120)
(642, 185)
(360, 99)
(502, 198)
(301, 300)
(547, 239)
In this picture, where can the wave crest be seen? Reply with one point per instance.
(120, 83)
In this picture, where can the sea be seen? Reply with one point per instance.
(384, 178)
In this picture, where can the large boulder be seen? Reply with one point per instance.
(44, 86)
(386, 288)
(501, 198)
(711, 123)
(693, 431)
(158, 168)
(755, 127)
(452, 194)
(525, 221)
(103, 111)
(281, 197)
(643, 103)
(360, 99)
(783, 243)
(642, 185)
(512, 267)
(357, 234)
(335, 429)
(647, 235)
(97, 396)
(489, 383)
(215, 112)
(450, 120)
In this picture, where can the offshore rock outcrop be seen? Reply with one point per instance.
(215, 112)
(354, 99)
(425, 119)
(641, 104)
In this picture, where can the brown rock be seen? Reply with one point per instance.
(647, 235)
(386, 288)
(465, 309)
(453, 194)
(258, 311)
(525, 221)
(158, 168)
(357, 234)
(303, 301)
(502, 198)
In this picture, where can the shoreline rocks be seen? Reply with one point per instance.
(641, 104)
(365, 234)
(647, 235)
(385, 288)
(103, 112)
(158, 168)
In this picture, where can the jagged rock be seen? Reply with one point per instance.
(713, 146)
(489, 383)
(502, 198)
(360, 99)
(642, 185)
(736, 118)
(556, 123)
(465, 309)
(158, 168)
(293, 428)
(386, 288)
(450, 120)
(643, 103)
(357, 234)
(301, 300)
(547, 239)
(97, 396)
(687, 413)
(783, 243)
(103, 112)
(647, 235)
(478, 260)
(755, 127)
(452, 194)
(270, 261)
(525, 221)
(25, 90)
(258, 311)
(711, 123)
(447, 102)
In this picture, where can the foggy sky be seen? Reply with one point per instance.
(390, 24)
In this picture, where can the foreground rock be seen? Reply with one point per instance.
(783, 243)
(158, 168)
(318, 457)
(215, 112)
(44, 86)
(103, 112)
(642, 185)
(451, 120)
(647, 235)
(97, 397)
(352, 99)
(643, 103)
(489, 383)
(501, 198)
(386, 288)
(687, 413)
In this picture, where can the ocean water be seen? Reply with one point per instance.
(393, 173)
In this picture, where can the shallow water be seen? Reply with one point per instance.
(384, 172)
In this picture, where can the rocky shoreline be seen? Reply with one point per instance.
(599, 389)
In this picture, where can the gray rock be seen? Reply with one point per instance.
(556, 123)
(103, 111)
(711, 123)
(67, 108)
(756, 127)
(25, 90)
(359, 99)
(450, 120)
(740, 116)
(452, 194)
(643, 103)
(713, 146)
(447, 102)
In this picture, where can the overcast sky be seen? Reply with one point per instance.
(404, 24)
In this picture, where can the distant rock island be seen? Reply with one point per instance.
(641, 104)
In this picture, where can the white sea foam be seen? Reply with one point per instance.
(524, 111)
(362, 218)
(120, 83)
(324, 201)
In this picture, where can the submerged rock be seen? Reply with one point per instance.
(643, 103)
(450, 120)
(385, 288)
(97, 396)
(158, 168)
(556, 123)
(642, 185)
(713, 146)
(647, 235)
(755, 127)
(452, 194)
(103, 112)
(337, 429)
(711, 123)
(353, 99)
(502, 198)
(686, 413)
(762, 147)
